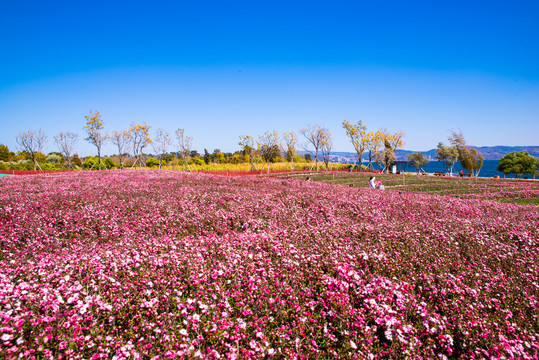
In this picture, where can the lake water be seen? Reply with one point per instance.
(488, 169)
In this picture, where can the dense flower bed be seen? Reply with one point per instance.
(503, 190)
(161, 264)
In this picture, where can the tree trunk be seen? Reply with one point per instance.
(99, 157)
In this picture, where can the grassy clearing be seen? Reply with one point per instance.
(523, 192)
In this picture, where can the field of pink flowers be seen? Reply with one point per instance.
(171, 265)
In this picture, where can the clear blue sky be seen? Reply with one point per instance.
(222, 69)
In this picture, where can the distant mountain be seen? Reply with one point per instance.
(488, 152)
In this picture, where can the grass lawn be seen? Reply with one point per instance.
(524, 192)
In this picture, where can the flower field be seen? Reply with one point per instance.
(157, 264)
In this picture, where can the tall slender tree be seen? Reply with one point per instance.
(139, 136)
(326, 147)
(315, 136)
(290, 140)
(247, 144)
(391, 142)
(357, 133)
(94, 126)
(161, 143)
(66, 144)
(121, 140)
(185, 143)
(373, 142)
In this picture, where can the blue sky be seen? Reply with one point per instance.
(221, 69)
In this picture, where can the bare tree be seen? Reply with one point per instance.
(160, 144)
(93, 128)
(66, 144)
(185, 143)
(121, 140)
(32, 142)
(326, 147)
(290, 140)
(315, 136)
(139, 136)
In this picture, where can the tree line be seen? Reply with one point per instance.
(371, 146)
(134, 144)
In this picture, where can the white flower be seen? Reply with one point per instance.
(83, 309)
(7, 337)
(353, 344)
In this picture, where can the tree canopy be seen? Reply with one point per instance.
(518, 163)
(469, 158)
(448, 155)
(417, 160)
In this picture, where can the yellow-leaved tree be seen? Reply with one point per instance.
(390, 142)
(139, 136)
(357, 133)
(94, 126)
(373, 141)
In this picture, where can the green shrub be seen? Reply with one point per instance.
(54, 159)
(76, 160)
(90, 162)
(199, 161)
(109, 163)
(151, 162)
(47, 166)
